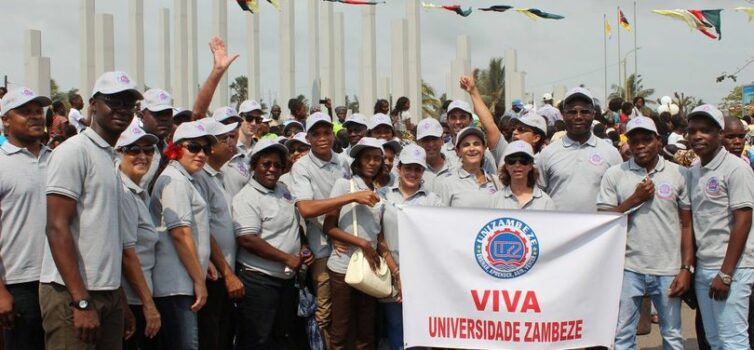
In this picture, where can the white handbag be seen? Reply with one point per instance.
(361, 276)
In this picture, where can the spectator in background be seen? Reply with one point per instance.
(382, 106)
(3, 91)
(400, 117)
(548, 111)
(275, 116)
(640, 108)
(59, 120)
(298, 111)
(678, 130)
(625, 112)
(612, 115)
(75, 117)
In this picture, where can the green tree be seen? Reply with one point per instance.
(491, 84)
(635, 89)
(685, 102)
(63, 96)
(240, 90)
(732, 102)
(431, 106)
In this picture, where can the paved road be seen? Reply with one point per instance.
(653, 340)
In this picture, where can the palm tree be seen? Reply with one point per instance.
(491, 84)
(430, 104)
(240, 90)
(635, 89)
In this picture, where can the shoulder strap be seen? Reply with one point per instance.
(353, 212)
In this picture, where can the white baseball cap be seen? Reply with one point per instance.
(519, 146)
(216, 128)
(413, 154)
(133, 134)
(264, 144)
(547, 96)
(223, 113)
(317, 118)
(578, 93)
(469, 130)
(643, 123)
(180, 111)
(356, 118)
(380, 119)
(19, 97)
(365, 142)
(157, 100)
(192, 130)
(460, 104)
(709, 111)
(288, 124)
(532, 120)
(428, 127)
(299, 137)
(114, 82)
(248, 106)
(394, 144)
(266, 119)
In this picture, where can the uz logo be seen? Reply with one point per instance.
(506, 250)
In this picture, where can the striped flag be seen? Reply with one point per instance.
(623, 21)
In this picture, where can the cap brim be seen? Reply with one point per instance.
(159, 108)
(289, 142)
(417, 162)
(578, 96)
(376, 125)
(351, 122)
(276, 146)
(705, 115)
(523, 121)
(355, 150)
(640, 128)
(135, 93)
(321, 121)
(473, 131)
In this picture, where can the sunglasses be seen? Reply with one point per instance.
(195, 147)
(522, 129)
(115, 104)
(520, 160)
(135, 150)
(250, 119)
(269, 165)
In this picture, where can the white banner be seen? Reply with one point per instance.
(499, 279)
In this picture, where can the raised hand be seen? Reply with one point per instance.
(220, 53)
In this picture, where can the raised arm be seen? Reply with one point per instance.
(468, 84)
(221, 63)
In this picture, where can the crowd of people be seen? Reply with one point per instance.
(153, 227)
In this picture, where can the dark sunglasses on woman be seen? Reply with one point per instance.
(135, 150)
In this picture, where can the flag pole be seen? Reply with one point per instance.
(604, 46)
(620, 78)
(636, 51)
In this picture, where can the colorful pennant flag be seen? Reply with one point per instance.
(248, 5)
(747, 10)
(496, 8)
(623, 21)
(275, 4)
(705, 21)
(535, 14)
(455, 8)
(357, 2)
(608, 29)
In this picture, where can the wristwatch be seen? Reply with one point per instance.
(82, 304)
(690, 268)
(727, 279)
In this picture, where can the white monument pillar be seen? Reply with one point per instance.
(220, 28)
(339, 62)
(163, 32)
(510, 62)
(327, 62)
(399, 59)
(38, 75)
(413, 16)
(86, 46)
(383, 88)
(136, 42)
(461, 65)
(32, 47)
(180, 51)
(192, 71)
(313, 50)
(287, 52)
(368, 91)
(252, 35)
(104, 43)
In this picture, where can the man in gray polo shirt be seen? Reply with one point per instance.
(313, 178)
(459, 118)
(721, 187)
(429, 137)
(80, 294)
(659, 247)
(571, 168)
(156, 118)
(23, 160)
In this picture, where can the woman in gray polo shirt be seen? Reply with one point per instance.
(268, 232)
(136, 149)
(183, 248)
(353, 312)
(468, 185)
(520, 179)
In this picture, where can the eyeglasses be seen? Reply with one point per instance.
(135, 150)
(520, 160)
(269, 165)
(117, 104)
(249, 119)
(575, 112)
(195, 147)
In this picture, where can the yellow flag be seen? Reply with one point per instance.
(608, 29)
(748, 10)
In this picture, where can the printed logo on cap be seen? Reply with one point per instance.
(713, 187)
(229, 110)
(27, 92)
(200, 127)
(417, 153)
(665, 191)
(136, 130)
(163, 96)
(506, 248)
(596, 159)
(123, 78)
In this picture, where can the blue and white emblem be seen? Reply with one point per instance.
(506, 248)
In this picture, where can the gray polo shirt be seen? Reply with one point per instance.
(209, 182)
(272, 216)
(431, 175)
(83, 168)
(571, 173)
(23, 212)
(369, 220)
(393, 200)
(717, 189)
(140, 229)
(499, 150)
(459, 189)
(236, 172)
(176, 202)
(313, 179)
(286, 179)
(505, 199)
(449, 150)
(153, 168)
(653, 244)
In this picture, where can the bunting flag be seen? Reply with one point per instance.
(535, 14)
(496, 8)
(455, 8)
(248, 5)
(747, 10)
(705, 21)
(608, 29)
(357, 2)
(623, 21)
(275, 4)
